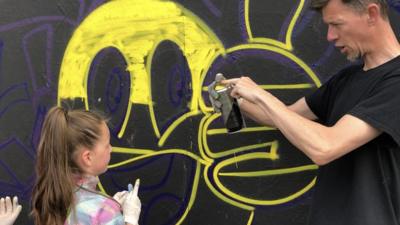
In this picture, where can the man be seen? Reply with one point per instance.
(356, 141)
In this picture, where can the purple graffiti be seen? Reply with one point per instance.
(48, 29)
(395, 4)
(37, 127)
(94, 5)
(302, 24)
(179, 84)
(286, 22)
(34, 20)
(213, 9)
(20, 89)
(114, 96)
(242, 21)
(1, 54)
(15, 185)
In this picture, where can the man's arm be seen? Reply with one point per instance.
(320, 143)
(256, 113)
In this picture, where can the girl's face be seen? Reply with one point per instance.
(101, 152)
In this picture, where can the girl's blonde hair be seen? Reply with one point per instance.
(63, 132)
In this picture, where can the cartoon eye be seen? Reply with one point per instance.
(171, 84)
(108, 86)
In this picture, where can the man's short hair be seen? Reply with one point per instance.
(359, 5)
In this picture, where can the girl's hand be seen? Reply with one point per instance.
(9, 211)
(132, 205)
(120, 197)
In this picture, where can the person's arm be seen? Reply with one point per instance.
(254, 112)
(320, 143)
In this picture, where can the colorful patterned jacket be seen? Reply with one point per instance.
(92, 207)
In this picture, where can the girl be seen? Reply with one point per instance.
(74, 149)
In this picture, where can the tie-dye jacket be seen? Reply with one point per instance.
(93, 207)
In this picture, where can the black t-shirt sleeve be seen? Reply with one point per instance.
(381, 109)
(318, 101)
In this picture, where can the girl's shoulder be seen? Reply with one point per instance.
(93, 199)
(94, 208)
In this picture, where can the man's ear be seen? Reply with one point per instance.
(374, 13)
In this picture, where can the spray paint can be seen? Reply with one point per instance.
(222, 101)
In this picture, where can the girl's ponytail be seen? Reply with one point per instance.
(62, 133)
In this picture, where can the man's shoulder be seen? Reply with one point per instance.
(352, 68)
(346, 71)
(390, 68)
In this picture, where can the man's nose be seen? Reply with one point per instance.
(331, 35)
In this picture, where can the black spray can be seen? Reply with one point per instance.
(228, 106)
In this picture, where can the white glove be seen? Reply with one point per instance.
(9, 211)
(132, 205)
(120, 197)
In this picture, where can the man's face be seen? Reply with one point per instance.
(347, 28)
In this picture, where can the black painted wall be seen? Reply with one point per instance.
(162, 127)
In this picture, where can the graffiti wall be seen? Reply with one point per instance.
(146, 64)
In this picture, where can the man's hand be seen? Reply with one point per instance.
(245, 88)
(9, 211)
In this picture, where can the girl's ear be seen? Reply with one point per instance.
(84, 158)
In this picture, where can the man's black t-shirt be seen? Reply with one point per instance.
(362, 187)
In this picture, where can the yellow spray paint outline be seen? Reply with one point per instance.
(273, 145)
(193, 66)
(73, 79)
(196, 178)
(200, 137)
(279, 86)
(144, 68)
(265, 173)
(221, 196)
(266, 47)
(288, 39)
(252, 201)
(255, 46)
(193, 107)
(224, 131)
(229, 196)
(285, 50)
(273, 48)
(228, 200)
(158, 153)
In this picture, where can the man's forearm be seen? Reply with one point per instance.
(310, 137)
(255, 113)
